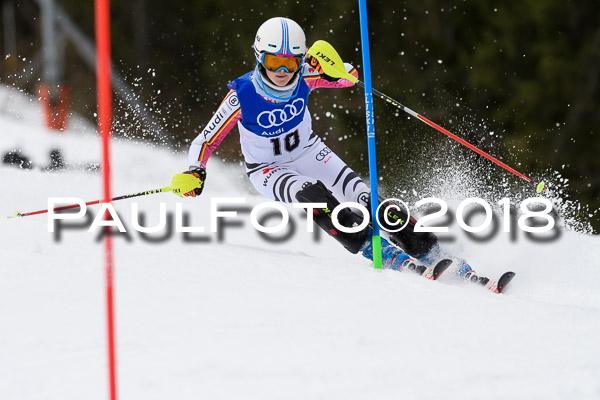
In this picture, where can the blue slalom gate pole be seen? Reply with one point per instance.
(366, 57)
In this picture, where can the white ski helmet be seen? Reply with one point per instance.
(279, 36)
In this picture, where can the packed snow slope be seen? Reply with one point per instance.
(240, 317)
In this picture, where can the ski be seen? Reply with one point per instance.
(494, 286)
(499, 285)
(431, 273)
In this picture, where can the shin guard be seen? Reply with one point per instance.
(318, 193)
(417, 244)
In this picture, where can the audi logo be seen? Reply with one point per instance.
(323, 153)
(269, 119)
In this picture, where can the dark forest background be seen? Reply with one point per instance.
(517, 78)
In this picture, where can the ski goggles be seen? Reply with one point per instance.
(276, 63)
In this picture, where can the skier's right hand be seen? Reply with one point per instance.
(199, 173)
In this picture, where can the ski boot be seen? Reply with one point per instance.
(467, 274)
(392, 257)
(414, 266)
(436, 253)
(473, 278)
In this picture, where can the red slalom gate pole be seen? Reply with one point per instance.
(103, 84)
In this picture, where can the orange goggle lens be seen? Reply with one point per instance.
(275, 63)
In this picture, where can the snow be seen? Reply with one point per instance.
(245, 318)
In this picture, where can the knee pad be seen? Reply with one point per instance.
(318, 193)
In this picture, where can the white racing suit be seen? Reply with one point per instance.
(287, 162)
(282, 153)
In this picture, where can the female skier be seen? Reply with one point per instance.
(286, 161)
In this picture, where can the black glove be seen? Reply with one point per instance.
(313, 62)
(199, 173)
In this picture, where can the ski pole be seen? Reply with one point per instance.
(539, 186)
(89, 203)
(181, 183)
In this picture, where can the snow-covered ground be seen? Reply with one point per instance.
(244, 318)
